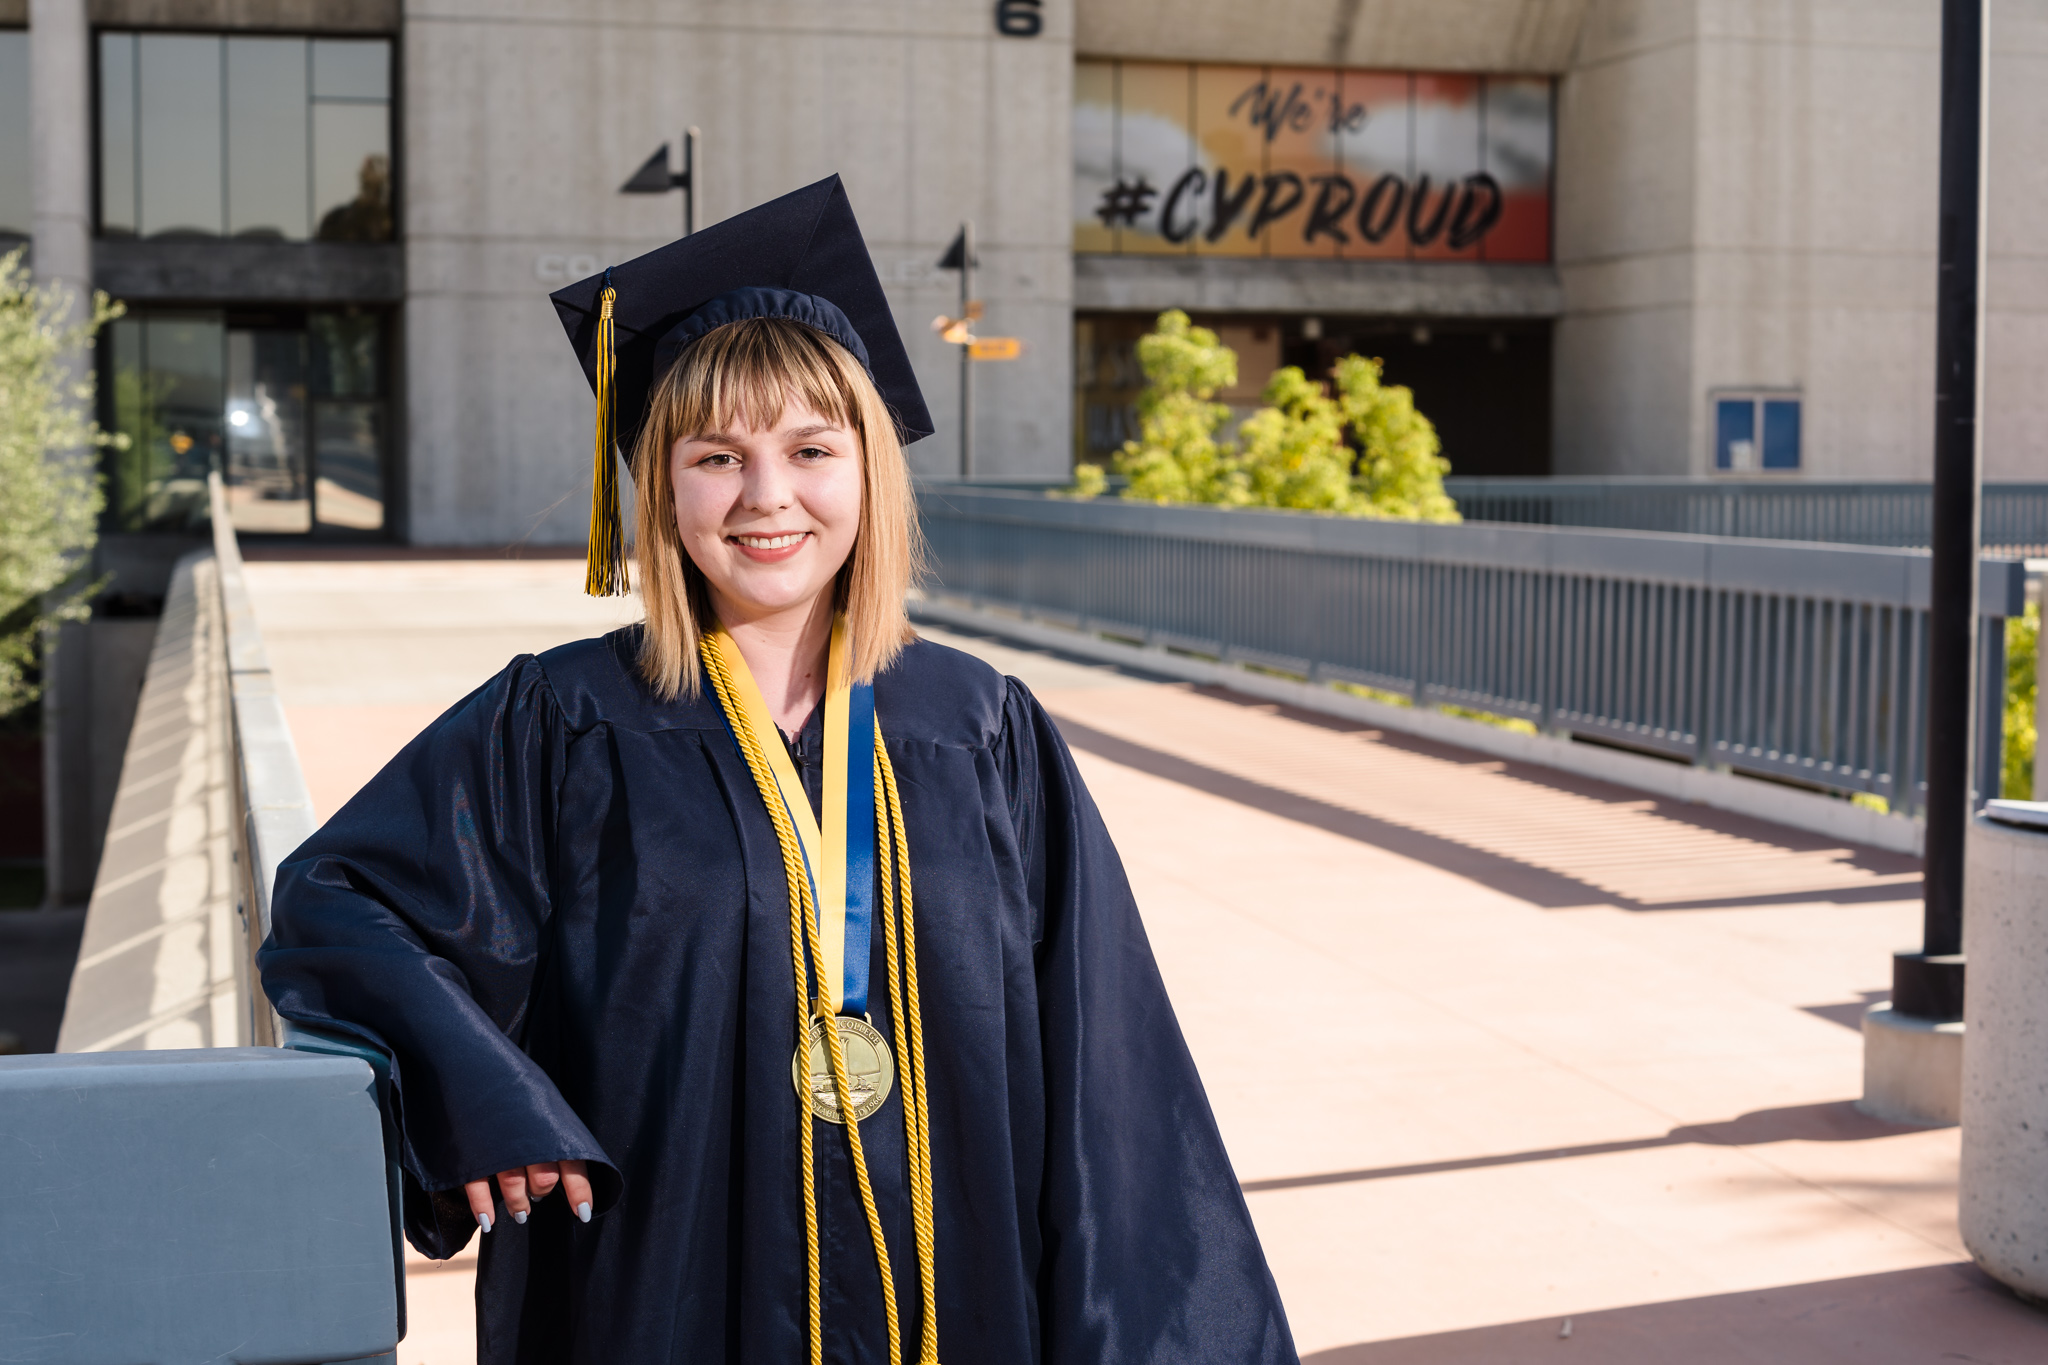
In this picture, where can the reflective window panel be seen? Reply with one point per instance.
(164, 387)
(179, 147)
(251, 136)
(266, 432)
(351, 171)
(350, 421)
(17, 176)
(117, 134)
(266, 127)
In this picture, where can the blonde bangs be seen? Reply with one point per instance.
(744, 375)
(741, 377)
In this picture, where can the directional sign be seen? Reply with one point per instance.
(996, 348)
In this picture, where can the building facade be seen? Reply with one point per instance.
(1596, 236)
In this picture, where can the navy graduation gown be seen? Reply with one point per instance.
(561, 909)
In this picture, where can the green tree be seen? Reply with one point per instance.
(49, 492)
(1176, 457)
(2022, 744)
(1292, 450)
(1400, 462)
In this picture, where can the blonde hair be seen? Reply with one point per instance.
(744, 374)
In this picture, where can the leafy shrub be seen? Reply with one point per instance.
(1176, 457)
(2022, 643)
(49, 491)
(1293, 451)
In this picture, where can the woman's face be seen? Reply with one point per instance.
(768, 515)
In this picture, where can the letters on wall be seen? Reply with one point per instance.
(1199, 159)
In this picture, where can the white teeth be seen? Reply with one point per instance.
(770, 542)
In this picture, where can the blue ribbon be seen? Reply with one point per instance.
(860, 845)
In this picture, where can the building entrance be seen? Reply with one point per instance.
(1484, 383)
(290, 407)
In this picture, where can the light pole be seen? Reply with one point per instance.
(961, 257)
(1929, 984)
(654, 177)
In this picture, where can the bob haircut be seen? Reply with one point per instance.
(743, 375)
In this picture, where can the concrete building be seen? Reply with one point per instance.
(1596, 236)
(1710, 218)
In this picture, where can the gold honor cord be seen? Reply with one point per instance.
(732, 684)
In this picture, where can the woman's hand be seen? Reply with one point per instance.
(525, 1186)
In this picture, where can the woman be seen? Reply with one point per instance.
(618, 937)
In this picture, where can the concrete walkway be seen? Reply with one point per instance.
(1511, 1065)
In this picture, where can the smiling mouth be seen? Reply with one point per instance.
(781, 542)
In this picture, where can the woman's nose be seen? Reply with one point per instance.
(767, 485)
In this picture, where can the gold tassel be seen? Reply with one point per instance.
(604, 560)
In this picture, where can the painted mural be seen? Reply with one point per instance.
(1201, 159)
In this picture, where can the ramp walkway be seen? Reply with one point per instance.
(1510, 1063)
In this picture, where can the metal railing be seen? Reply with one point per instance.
(1834, 511)
(1796, 662)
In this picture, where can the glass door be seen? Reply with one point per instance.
(266, 471)
(290, 407)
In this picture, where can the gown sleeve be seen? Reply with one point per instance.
(1149, 1250)
(415, 919)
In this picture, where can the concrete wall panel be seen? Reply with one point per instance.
(1622, 386)
(524, 116)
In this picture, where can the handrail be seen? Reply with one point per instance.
(1798, 662)
(1853, 511)
(276, 809)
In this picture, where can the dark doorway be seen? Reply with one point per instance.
(1485, 384)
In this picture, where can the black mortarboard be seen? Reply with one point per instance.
(800, 256)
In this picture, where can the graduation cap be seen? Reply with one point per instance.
(800, 257)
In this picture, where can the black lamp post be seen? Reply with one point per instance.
(654, 177)
(1929, 984)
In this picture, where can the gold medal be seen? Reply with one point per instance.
(870, 1072)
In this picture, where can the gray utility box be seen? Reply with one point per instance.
(171, 1208)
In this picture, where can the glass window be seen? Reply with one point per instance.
(351, 172)
(17, 174)
(349, 420)
(117, 134)
(266, 431)
(168, 382)
(266, 126)
(250, 136)
(1735, 434)
(290, 407)
(1781, 433)
(351, 69)
(178, 96)
(1755, 431)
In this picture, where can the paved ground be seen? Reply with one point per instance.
(1512, 1065)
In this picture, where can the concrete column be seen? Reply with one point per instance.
(2004, 1192)
(60, 123)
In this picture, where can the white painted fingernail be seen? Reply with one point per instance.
(484, 1220)
(583, 1211)
(519, 1218)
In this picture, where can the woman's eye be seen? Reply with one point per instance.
(719, 459)
(814, 453)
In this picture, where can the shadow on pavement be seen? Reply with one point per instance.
(1839, 1121)
(1548, 888)
(1905, 1317)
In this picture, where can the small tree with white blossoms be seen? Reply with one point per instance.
(50, 495)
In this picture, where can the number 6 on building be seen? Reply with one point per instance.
(1020, 18)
